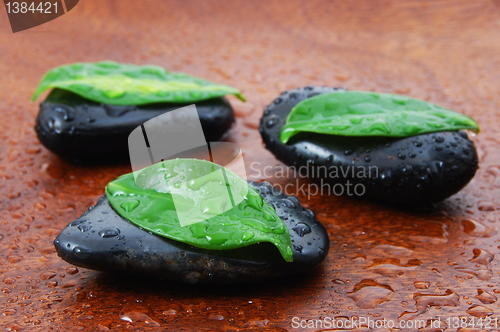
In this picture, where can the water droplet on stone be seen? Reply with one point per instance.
(109, 232)
(272, 121)
(81, 252)
(116, 111)
(438, 138)
(407, 170)
(67, 113)
(84, 228)
(302, 229)
(386, 178)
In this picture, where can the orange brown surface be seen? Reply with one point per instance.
(384, 262)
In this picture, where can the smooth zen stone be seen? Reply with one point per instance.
(412, 170)
(85, 131)
(102, 240)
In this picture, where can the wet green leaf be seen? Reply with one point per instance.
(358, 113)
(115, 83)
(199, 203)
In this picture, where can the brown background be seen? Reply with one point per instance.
(384, 260)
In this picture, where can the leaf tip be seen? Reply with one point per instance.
(240, 96)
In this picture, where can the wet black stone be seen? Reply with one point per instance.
(111, 243)
(413, 170)
(85, 131)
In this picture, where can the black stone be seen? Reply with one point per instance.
(85, 131)
(413, 170)
(102, 240)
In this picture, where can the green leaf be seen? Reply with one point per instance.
(358, 113)
(115, 83)
(199, 203)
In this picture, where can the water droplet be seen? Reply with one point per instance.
(485, 297)
(50, 123)
(81, 252)
(302, 229)
(116, 111)
(482, 256)
(68, 114)
(423, 302)
(486, 206)
(348, 152)
(272, 121)
(47, 275)
(481, 274)
(137, 313)
(113, 93)
(368, 294)
(438, 138)
(78, 222)
(109, 232)
(368, 159)
(401, 156)
(10, 312)
(391, 267)
(407, 170)
(130, 205)
(247, 236)
(9, 281)
(288, 203)
(386, 178)
(473, 227)
(84, 227)
(72, 270)
(216, 317)
(298, 248)
(170, 312)
(421, 284)
(479, 311)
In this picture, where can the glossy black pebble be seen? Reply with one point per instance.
(84, 131)
(412, 170)
(102, 240)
